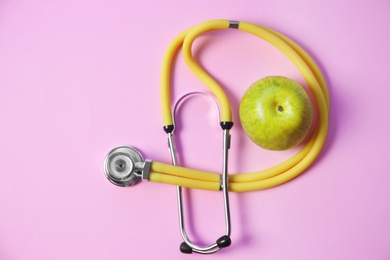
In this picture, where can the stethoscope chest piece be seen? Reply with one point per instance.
(119, 166)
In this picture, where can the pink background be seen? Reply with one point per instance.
(78, 78)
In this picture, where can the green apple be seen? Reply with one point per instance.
(276, 113)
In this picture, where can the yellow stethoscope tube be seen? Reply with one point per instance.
(268, 178)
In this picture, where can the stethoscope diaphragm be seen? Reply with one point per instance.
(119, 166)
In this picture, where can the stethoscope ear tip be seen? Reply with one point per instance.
(224, 241)
(185, 249)
(221, 243)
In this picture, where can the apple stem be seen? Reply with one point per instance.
(280, 108)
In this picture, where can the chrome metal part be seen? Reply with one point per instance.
(193, 94)
(120, 166)
(146, 170)
(198, 249)
(225, 180)
(234, 24)
(189, 246)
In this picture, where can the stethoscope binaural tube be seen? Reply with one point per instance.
(224, 241)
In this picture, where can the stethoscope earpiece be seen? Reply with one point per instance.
(120, 166)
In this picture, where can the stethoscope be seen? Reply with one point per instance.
(125, 166)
